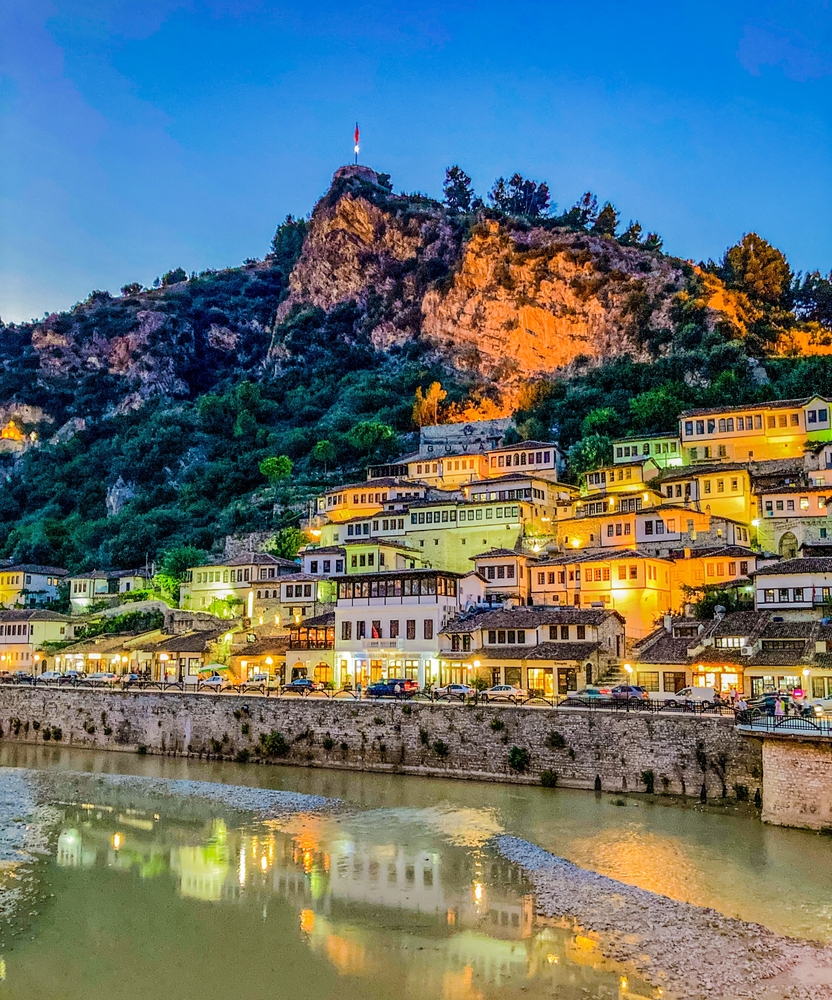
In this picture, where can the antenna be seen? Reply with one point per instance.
(356, 138)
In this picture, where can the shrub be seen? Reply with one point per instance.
(344, 747)
(216, 746)
(649, 780)
(108, 731)
(497, 725)
(57, 733)
(549, 779)
(141, 749)
(245, 729)
(741, 792)
(47, 733)
(424, 736)
(378, 720)
(519, 759)
(274, 745)
(327, 743)
(407, 709)
(242, 756)
(441, 749)
(555, 741)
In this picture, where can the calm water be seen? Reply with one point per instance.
(400, 898)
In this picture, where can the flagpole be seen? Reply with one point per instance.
(357, 135)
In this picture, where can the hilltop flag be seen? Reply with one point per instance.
(357, 133)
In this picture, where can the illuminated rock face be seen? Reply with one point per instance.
(504, 300)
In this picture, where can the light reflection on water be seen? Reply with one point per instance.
(732, 862)
(376, 905)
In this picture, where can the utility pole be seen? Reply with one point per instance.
(356, 138)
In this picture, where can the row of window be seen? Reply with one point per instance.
(13, 580)
(18, 629)
(448, 465)
(526, 493)
(232, 576)
(407, 586)
(326, 566)
(461, 643)
(297, 590)
(660, 448)
(521, 458)
(778, 505)
(377, 631)
(505, 572)
(792, 595)
(477, 514)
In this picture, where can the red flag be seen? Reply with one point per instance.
(356, 133)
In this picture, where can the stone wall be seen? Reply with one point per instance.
(581, 746)
(797, 787)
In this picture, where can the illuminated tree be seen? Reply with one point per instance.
(276, 468)
(426, 405)
(758, 269)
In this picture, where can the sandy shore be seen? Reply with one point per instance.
(691, 952)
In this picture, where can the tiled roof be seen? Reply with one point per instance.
(34, 568)
(771, 404)
(187, 642)
(258, 559)
(715, 551)
(510, 477)
(33, 616)
(661, 647)
(319, 621)
(324, 550)
(806, 564)
(375, 484)
(740, 623)
(111, 574)
(500, 554)
(542, 651)
(692, 471)
(791, 488)
(525, 445)
(579, 556)
(276, 645)
(527, 618)
(287, 578)
(104, 644)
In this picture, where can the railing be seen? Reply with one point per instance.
(755, 721)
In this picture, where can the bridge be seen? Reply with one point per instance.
(797, 768)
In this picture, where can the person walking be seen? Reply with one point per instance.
(778, 708)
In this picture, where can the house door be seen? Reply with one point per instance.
(567, 680)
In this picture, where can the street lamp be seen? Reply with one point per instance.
(628, 668)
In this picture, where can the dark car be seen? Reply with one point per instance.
(22, 677)
(301, 685)
(629, 692)
(393, 687)
(767, 704)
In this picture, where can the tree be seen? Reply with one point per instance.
(426, 405)
(607, 221)
(133, 288)
(459, 194)
(631, 237)
(174, 277)
(286, 542)
(323, 452)
(813, 298)
(604, 420)
(370, 435)
(518, 196)
(758, 269)
(656, 409)
(173, 567)
(288, 242)
(653, 242)
(276, 468)
(591, 452)
(586, 210)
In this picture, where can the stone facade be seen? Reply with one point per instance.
(582, 747)
(797, 790)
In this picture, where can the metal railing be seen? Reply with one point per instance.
(755, 721)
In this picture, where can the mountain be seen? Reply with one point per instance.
(140, 421)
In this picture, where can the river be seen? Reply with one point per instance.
(401, 894)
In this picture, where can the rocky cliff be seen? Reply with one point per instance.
(502, 299)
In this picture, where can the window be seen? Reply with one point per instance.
(634, 572)
(771, 422)
(582, 631)
(743, 568)
(729, 641)
(361, 630)
(375, 630)
(622, 572)
(541, 578)
(564, 631)
(648, 679)
(394, 629)
(688, 428)
(768, 596)
(648, 527)
(720, 486)
(411, 628)
(794, 419)
(428, 628)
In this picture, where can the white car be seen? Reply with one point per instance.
(102, 677)
(703, 696)
(820, 706)
(461, 691)
(504, 692)
(50, 677)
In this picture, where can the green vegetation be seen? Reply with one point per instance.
(549, 778)
(273, 744)
(519, 759)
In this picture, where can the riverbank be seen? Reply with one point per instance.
(693, 953)
(701, 756)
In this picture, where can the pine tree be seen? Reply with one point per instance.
(459, 193)
(607, 221)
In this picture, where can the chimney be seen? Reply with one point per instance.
(668, 623)
(687, 553)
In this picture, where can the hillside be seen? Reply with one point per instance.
(154, 409)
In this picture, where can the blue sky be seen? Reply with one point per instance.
(138, 137)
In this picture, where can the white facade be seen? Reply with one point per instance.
(795, 588)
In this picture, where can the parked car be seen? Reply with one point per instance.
(767, 704)
(629, 692)
(461, 691)
(128, 679)
(50, 677)
(260, 682)
(819, 707)
(594, 694)
(504, 692)
(702, 696)
(74, 676)
(22, 677)
(393, 687)
(301, 685)
(215, 683)
(102, 678)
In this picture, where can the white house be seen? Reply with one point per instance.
(795, 588)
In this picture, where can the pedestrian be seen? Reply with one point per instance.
(778, 707)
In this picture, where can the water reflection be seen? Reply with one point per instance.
(390, 902)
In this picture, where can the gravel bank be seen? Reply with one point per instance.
(691, 952)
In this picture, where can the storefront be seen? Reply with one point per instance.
(721, 677)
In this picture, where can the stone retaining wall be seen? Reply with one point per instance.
(798, 782)
(580, 746)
